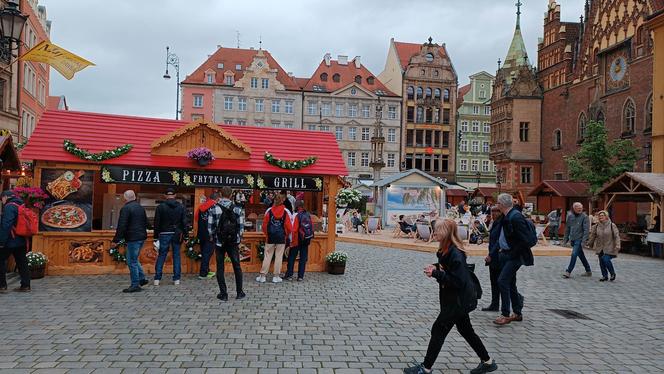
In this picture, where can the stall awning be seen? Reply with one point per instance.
(10, 159)
(562, 189)
(644, 187)
(96, 132)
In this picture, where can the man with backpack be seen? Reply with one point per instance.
(12, 244)
(169, 226)
(276, 227)
(303, 233)
(516, 239)
(225, 230)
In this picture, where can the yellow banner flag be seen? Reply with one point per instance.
(60, 59)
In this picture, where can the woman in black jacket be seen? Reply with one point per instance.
(458, 297)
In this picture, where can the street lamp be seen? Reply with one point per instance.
(173, 60)
(647, 155)
(11, 26)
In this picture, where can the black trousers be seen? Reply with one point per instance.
(234, 254)
(19, 254)
(494, 273)
(442, 327)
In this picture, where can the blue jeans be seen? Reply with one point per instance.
(303, 249)
(509, 295)
(606, 266)
(577, 251)
(166, 241)
(135, 269)
(207, 248)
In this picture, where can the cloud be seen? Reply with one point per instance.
(126, 39)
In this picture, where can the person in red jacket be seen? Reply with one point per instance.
(207, 247)
(276, 228)
(303, 232)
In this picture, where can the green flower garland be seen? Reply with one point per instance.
(116, 254)
(290, 165)
(190, 251)
(70, 147)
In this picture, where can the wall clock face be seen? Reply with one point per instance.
(618, 69)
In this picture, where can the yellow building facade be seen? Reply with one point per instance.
(656, 24)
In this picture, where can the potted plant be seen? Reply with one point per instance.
(336, 262)
(37, 264)
(33, 197)
(202, 155)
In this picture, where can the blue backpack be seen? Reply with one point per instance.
(306, 231)
(276, 232)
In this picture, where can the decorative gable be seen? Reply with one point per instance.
(201, 134)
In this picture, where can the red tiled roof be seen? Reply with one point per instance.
(461, 93)
(231, 57)
(563, 188)
(301, 82)
(98, 132)
(347, 74)
(407, 50)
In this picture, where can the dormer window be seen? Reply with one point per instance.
(336, 77)
(229, 80)
(210, 78)
(370, 80)
(358, 79)
(238, 67)
(323, 77)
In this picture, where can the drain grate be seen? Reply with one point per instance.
(570, 314)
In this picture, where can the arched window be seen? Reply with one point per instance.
(419, 92)
(557, 139)
(648, 123)
(582, 126)
(358, 79)
(600, 117)
(435, 73)
(436, 93)
(410, 91)
(446, 95)
(629, 117)
(336, 77)
(428, 92)
(370, 80)
(323, 77)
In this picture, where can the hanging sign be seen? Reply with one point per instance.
(119, 174)
(289, 182)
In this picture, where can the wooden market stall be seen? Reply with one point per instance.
(85, 161)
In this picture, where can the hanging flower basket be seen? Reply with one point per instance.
(202, 155)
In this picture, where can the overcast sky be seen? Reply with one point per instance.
(126, 39)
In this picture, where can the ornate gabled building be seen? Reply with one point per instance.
(597, 69)
(424, 76)
(516, 119)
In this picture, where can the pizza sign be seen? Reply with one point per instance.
(69, 207)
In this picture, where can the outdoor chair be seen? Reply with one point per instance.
(539, 230)
(462, 230)
(424, 232)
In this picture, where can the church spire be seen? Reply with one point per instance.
(517, 54)
(518, 13)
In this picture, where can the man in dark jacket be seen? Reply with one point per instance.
(492, 260)
(514, 252)
(169, 227)
(11, 244)
(133, 229)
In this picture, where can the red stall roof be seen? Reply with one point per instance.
(97, 132)
(563, 188)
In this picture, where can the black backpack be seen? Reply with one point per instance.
(473, 290)
(306, 231)
(276, 232)
(229, 226)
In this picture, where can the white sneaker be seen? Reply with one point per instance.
(260, 279)
(156, 282)
(277, 280)
(177, 282)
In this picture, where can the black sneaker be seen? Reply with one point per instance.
(241, 295)
(288, 278)
(613, 277)
(22, 289)
(132, 290)
(484, 367)
(490, 308)
(300, 279)
(417, 368)
(143, 282)
(3, 289)
(603, 279)
(222, 297)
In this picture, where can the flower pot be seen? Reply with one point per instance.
(336, 268)
(203, 161)
(37, 272)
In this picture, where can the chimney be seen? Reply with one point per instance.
(290, 74)
(327, 59)
(342, 60)
(358, 64)
(218, 46)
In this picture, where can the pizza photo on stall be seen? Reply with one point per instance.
(69, 207)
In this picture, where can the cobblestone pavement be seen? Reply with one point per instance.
(375, 319)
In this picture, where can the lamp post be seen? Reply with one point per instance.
(11, 25)
(647, 155)
(478, 175)
(377, 143)
(499, 178)
(173, 60)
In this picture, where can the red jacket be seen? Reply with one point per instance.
(278, 212)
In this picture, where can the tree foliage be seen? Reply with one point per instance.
(599, 160)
